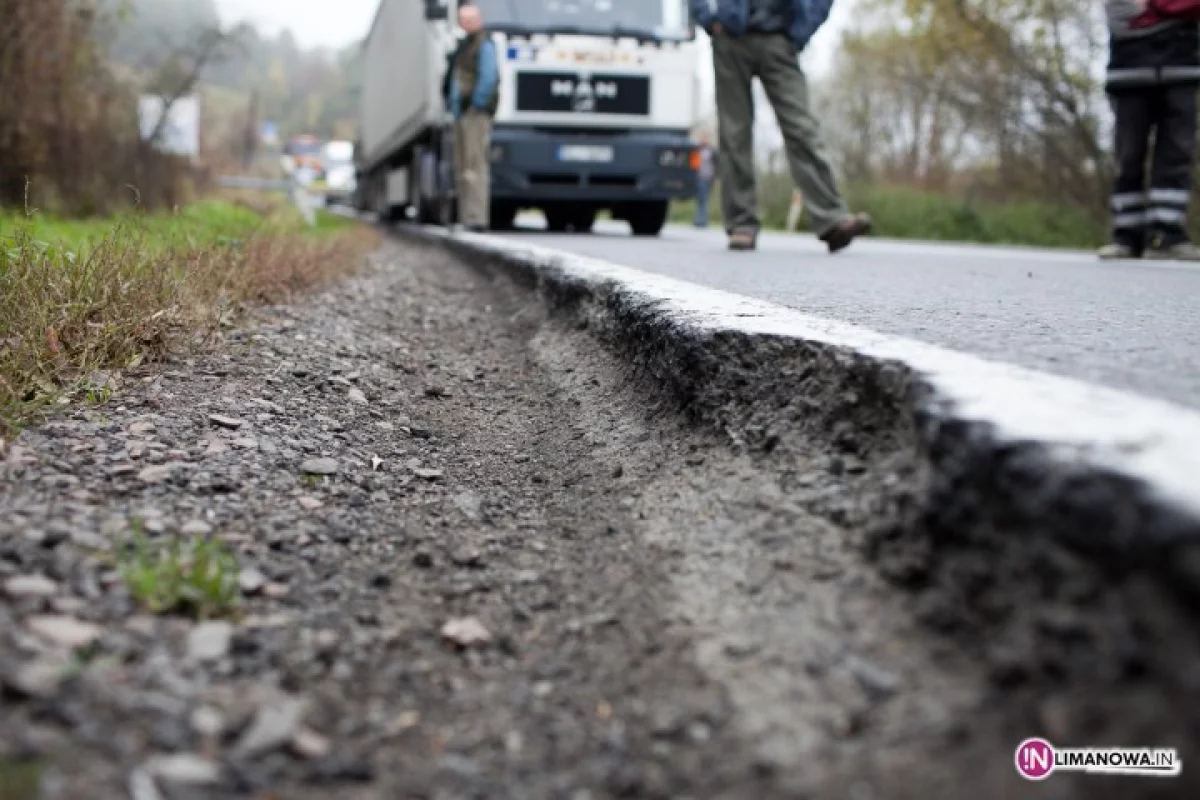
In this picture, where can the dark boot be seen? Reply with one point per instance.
(846, 231)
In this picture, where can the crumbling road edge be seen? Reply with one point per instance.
(1111, 475)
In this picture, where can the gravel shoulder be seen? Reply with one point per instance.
(482, 557)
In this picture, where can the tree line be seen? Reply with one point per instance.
(1000, 100)
(72, 72)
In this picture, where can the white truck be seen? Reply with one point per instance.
(597, 99)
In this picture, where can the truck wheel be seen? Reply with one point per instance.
(503, 216)
(420, 203)
(648, 219)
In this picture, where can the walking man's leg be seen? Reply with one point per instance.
(1127, 204)
(733, 69)
(475, 194)
(1171, 175)
(787, 89)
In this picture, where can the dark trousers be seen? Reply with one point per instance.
(772, 58)
(1154, 213)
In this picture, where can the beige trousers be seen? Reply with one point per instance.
(472, 167)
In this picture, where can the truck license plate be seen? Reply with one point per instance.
(602, 154)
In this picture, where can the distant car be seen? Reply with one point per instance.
(301, 152)
(339, 180)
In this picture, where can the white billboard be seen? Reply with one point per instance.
(181, 133)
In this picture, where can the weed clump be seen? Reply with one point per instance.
(194, 577)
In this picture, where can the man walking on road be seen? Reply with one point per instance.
(763, 39)
(705, 176)
(1153, 73)
(474, 97)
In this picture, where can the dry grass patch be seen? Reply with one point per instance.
(78, 298)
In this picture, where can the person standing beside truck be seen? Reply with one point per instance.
(474, 98)
(705, 175)
(762, 38)
(1153, 75)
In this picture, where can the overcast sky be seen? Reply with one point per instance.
(315, 23)
(334, 23)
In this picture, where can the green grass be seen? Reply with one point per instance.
(77, 296)
(199, 225)
(328, 222)
(903, 213)
(205, 223)
(196, 577)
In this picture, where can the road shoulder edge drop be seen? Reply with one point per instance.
(1110, 475)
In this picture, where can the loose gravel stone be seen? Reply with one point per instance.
(251, 580)
(276, 722)
(39, 678)
(184, 769)
(466, 632)
(207, 722)
(320, 466)
(157, 473)
(209, 641)
(65, 631)
(24, 586)
(196, 527)
(310, 745)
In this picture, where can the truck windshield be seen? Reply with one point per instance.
(665, 19)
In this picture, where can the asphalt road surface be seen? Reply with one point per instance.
(1128, 325)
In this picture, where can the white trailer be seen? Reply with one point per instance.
(597, 101)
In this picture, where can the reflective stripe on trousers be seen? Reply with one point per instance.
(1168, 207)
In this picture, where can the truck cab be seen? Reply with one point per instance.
(597, 98)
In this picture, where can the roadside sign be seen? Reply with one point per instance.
(181, 133)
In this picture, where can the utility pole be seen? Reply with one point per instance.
(250, 146)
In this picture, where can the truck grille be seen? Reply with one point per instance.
(583, 93)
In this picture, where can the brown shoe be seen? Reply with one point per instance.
(843, 233)
(743, 239)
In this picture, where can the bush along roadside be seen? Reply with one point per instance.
(82, 300)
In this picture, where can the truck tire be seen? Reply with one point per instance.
(425, 211)
(503, 216)
(648, 219)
